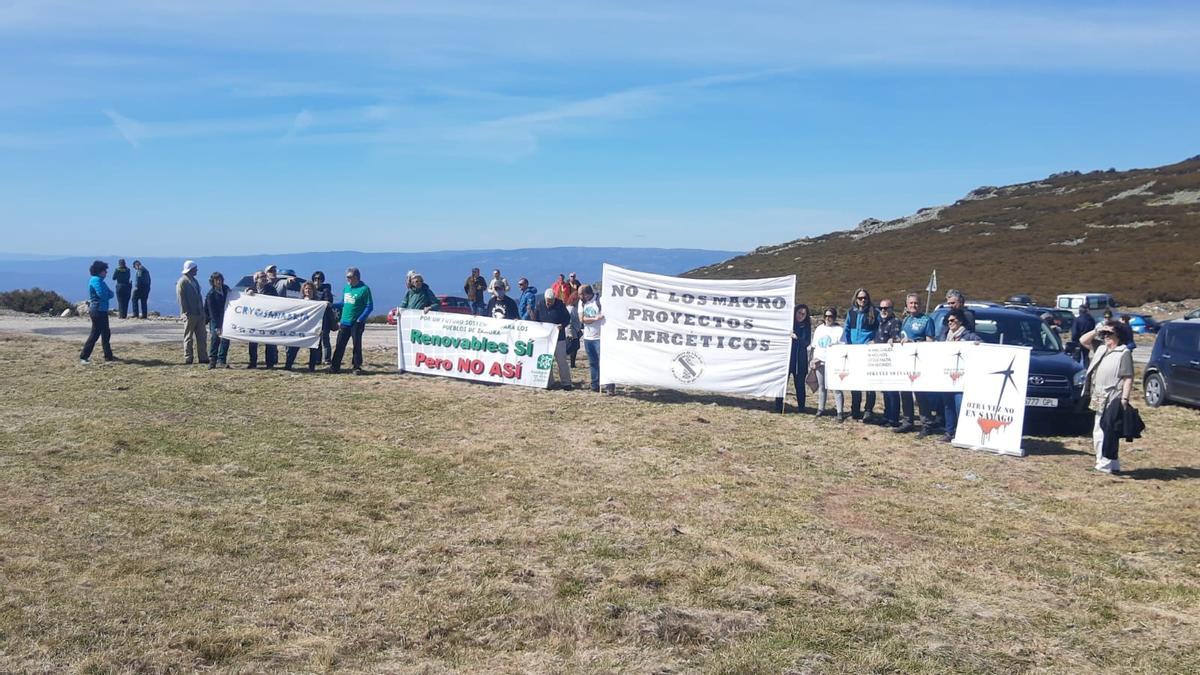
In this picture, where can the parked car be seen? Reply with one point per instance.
(451, 304)
(1095, 302)
(1055, 379)
(1141, 323)
(454, 304)
(1173, 371)
(1194, 314)
(1019, 301)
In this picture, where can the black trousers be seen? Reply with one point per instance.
(139, 300)
(345, 334)
(99, 330)
(124, 292)
(272, 354)
(856, 398)
(314, 357)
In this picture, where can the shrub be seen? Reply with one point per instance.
(34, 301)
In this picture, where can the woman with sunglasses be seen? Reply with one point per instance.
(862, 322)
(956, 331)
(1109, 379)
(825, 335)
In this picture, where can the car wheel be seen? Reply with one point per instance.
(1155, 388)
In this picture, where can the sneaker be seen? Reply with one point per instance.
(212, 365)
(841, 419)
(333, 371)
(819, 413)
(359, 371)
(568, 387)
(251, 366)
(904, 427)
(84, 362)
(946, 438)
(869, 418)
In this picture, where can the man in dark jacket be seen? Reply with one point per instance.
(1084, 323)
(474, 288)
(889, 332)
(141, 288)
(121, 277)
(552, 310)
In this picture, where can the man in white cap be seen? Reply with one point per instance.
(191, 310)
(553, 311)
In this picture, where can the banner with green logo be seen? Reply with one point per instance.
(476, 348)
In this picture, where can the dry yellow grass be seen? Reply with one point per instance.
(158, 517)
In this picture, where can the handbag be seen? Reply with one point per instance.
(811, 380)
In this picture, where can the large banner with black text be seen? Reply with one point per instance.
(722, 335)
(502, 351)
(271, 320)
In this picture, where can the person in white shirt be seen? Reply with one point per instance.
(495, 281)
(827, 334)
(592, 319)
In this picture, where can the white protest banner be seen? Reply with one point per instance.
(476, 348)
(993, 405)
(731, 336)
(270, 320)
(912, 366)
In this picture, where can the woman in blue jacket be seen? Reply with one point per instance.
(862, 321)
(98, 296)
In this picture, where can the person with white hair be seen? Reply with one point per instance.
(552, 310)
(191, 310)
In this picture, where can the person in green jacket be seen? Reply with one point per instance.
(419, 295)
(356, 307)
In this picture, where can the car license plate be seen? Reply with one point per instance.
(1041, 402)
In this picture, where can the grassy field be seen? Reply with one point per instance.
(156, 517)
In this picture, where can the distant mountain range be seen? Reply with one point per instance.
(444, 271)
(1135, 234)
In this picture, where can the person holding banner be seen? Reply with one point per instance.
(551, 310)
(214, 305)
(890, 330)
(826, 334)
(308, 291)
(1109, 376)
(356, 307)
(798, 360)
(862, 322)
(262, 286)
(957, 331)
(419, 295)
(501, 306)
(592, 319)
(917, 327)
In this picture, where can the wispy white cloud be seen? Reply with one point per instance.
(132, 131)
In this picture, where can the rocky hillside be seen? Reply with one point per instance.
(1134, 233)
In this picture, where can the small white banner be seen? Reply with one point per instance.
(476, 348)
(913, 366)
(271, 320)
(731, 336)
(993, 405)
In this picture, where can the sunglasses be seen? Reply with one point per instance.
(862, 297)
(885, 309)
(829, 316)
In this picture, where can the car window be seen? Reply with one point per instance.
(1183, 341)
(1096, 302)
(1018, 332)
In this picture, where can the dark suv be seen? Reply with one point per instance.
(1173, 372)
(1055, 379)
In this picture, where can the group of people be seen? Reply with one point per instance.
(867, 322)
(572, 306)
(575, 309)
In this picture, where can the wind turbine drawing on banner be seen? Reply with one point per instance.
(1008, 377)
(913, 374)
(930, 289)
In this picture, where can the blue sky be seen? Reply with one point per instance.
(223, 127)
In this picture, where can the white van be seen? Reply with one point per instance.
(1095, 302)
